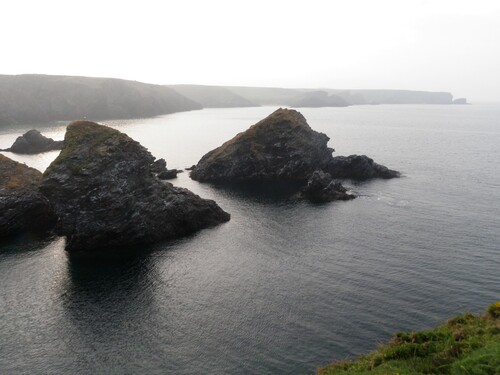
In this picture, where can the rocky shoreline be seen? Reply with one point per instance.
(106, 191)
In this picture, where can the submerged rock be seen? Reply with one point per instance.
(321, 187)
(280, 147)
(22, 207)
(358, 167)
(33, 142)
(106, 196)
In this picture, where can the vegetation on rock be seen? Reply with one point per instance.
(466, 344)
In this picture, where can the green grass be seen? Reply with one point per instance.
(465, 345)
(84, 134)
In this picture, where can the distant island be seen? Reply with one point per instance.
(35, 98)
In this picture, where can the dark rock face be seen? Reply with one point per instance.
(33, 142)
(321, 187)
(159, 166)
(358, 167)
(280, 147)
(106, 196)
(22, 207)
(168, 174)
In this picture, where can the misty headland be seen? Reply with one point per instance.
(35, 98)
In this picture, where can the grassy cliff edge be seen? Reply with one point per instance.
(467, 344)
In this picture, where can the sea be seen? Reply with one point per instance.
(286, 286)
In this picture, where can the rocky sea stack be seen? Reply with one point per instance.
(22, 207)
(106, 195)
(33, 142)
(280, 147)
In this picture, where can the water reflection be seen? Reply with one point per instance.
(26, 242)
(261, 192)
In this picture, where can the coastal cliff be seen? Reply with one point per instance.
(32, 98)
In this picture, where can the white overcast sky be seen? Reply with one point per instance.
(435, 45)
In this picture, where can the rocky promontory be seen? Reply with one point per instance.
(106, 195)
(280, 147)
(22, 207)
(33, 142)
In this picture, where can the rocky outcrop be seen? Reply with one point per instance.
(33, 142)
(358, 167)
(160, 168)
(280, 147)
(321, 187)
(22, 207)
(106, 196)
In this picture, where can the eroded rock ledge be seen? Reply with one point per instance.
(33, 142)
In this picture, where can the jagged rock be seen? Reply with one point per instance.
(106, 196)
(280, 147)
(22, 207)
(159, 165)
(190, 168)
(33, 142)
(321, 187)
(358, 167)
(168, 174)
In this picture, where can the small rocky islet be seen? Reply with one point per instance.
(283, 147)
(33, 142)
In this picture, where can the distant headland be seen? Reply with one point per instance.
(35, 98)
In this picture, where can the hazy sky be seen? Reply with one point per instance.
(436, 45)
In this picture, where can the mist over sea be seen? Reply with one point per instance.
(286, 286)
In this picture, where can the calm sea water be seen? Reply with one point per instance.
(286, 286)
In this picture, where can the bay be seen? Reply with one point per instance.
(286, 286)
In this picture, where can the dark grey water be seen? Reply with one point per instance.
(285, 286)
